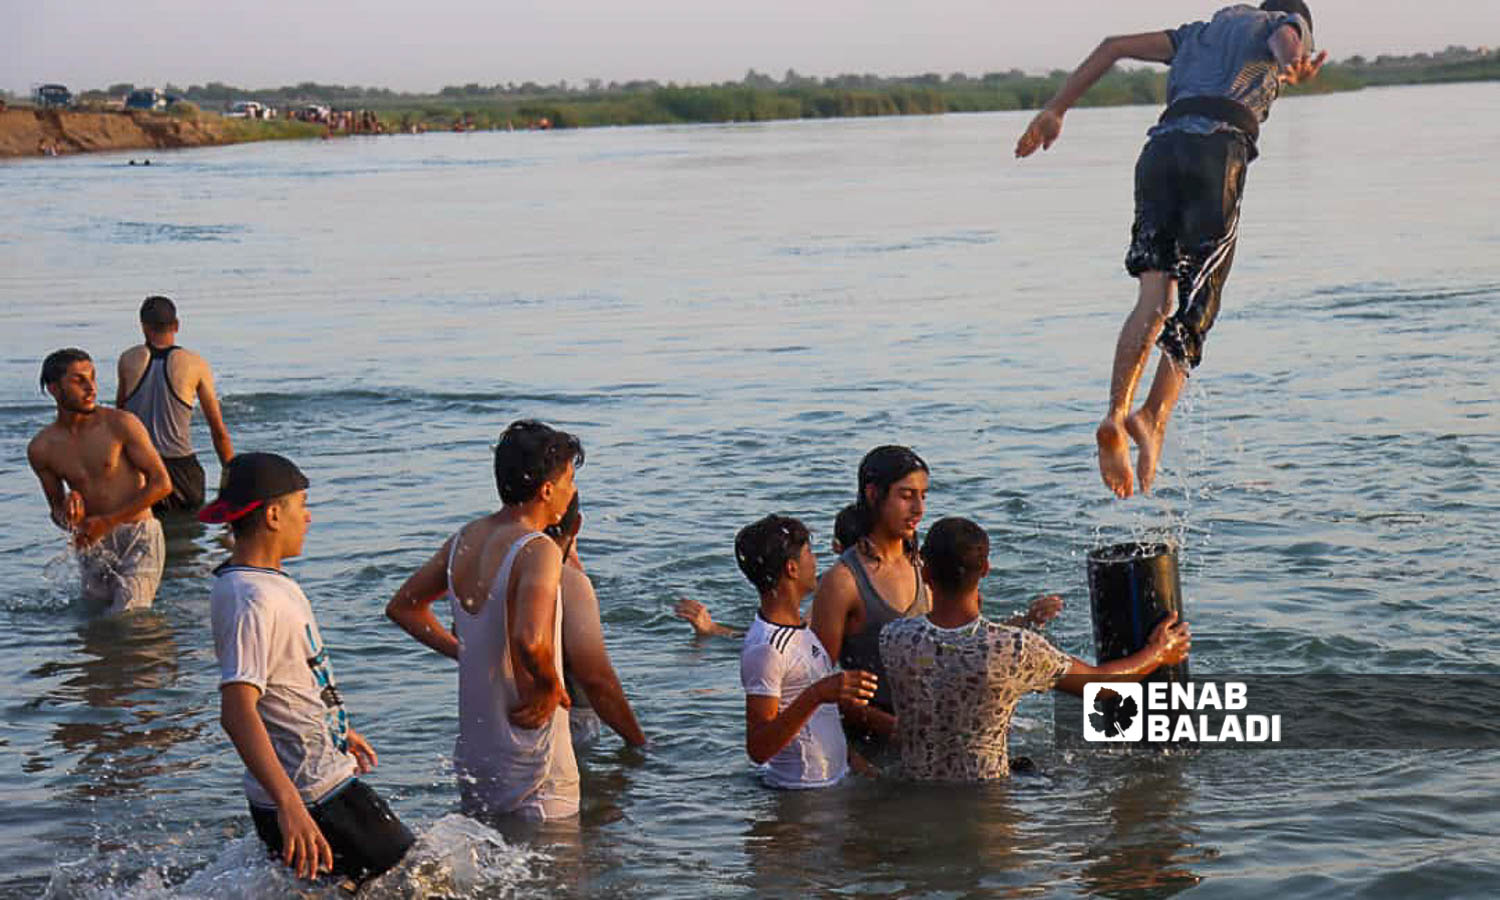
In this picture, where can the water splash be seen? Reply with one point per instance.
(454, 857)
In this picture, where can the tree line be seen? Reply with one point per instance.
(761, 97)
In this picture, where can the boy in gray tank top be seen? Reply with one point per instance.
(158, 381)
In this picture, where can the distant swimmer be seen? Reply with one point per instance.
(956, 677)
(280, 703)
(589, 675)
(503, 579)
(158, 382)
(792, 690)
(101, 475)
(1224, 75)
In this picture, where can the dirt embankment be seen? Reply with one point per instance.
(39, 132)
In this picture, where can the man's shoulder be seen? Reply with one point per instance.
(577, 589)
(904, 629)
(121, 423)
(837, 583)
(134, 354)
(191, 357)
(40, 447)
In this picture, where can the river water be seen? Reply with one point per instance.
(730, 317)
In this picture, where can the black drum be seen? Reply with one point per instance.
(1131, 588)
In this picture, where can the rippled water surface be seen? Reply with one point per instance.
(730, 317)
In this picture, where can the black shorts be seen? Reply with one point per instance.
(187, 485)
(365, 835)
(1187, 214)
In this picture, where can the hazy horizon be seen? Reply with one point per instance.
(421, 48)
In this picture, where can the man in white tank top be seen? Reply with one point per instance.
(502, 576)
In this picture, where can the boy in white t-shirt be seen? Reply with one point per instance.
(279, 702)
(792, 728)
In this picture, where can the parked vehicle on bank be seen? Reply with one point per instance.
(246, 109)
(52, 96)
(148, 99)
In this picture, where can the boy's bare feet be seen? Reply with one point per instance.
(1114, 457)
(1147, 431)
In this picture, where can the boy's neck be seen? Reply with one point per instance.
(257, 552)
(953, 610)
(886, 546)
(782, 605)
(531, 516)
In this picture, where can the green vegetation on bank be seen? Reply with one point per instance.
(239, 131)
(759, 97)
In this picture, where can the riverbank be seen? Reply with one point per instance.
(49, 132)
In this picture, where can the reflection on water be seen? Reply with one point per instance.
(118, 714)
(1149, 846)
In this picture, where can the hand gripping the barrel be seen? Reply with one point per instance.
(1168, 645)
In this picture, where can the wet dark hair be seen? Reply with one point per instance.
(55, 366)
(954, 554)
(846, 526)
(1289, 6)
(530, 454)
(882, 467)
(158, 313)
(568, 523)
(762, 549)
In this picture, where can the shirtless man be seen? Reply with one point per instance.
(101, 475)
(1225, 73)
(157, 381)
(502, 575)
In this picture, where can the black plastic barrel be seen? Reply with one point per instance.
(1132, 587)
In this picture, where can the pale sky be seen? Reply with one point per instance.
(422, 45)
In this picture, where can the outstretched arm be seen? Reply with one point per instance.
(1150, 46)
(1042, 610)
(696, 614)
(1168, 645)
(411, 608)
(1291, 57)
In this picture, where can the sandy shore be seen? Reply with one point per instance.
(36, 132)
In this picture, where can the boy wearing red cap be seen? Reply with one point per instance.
(280, 704)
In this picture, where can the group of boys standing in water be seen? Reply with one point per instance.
(897, 670)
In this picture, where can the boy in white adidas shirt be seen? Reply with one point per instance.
(279, 702)
(792, 728)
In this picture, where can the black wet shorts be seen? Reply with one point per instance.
(1187, 214)
(365, 835)
(187, 485)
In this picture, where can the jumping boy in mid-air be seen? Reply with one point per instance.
(1225, 74)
